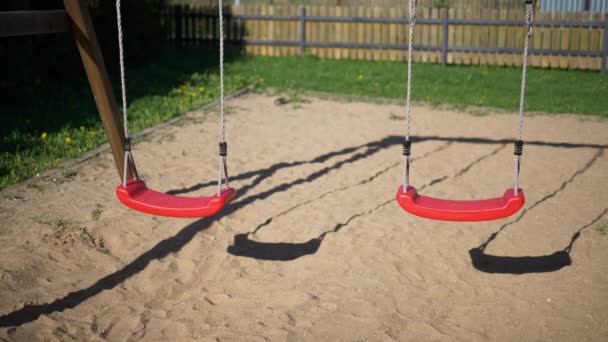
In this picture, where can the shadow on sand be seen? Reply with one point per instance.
(271, 251)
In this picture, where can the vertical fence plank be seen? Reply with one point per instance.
(303, 31)
(444, 37)
(360, 33)
(605, 46)
(392, 34)
(345, 32)
(467, 37)
(338, 32)
(375, 34)
(313, 29)
(493, 39)
(451, 37)
(265, 50)
(294, 30)
(351, 29)
(281, 30)
(271, 26)
(322, 31)
(424, 34)
(483, 38)
(247, 32)
(476, 37)
(585, 39)
(502, 37)
(544, 34)
(402, 31)
(555, 41)
(565, 42)
(511, 41)
(369, 37)
(432, 35)
(596, 42)
(331, 32)
(458, 34)
(575, 60)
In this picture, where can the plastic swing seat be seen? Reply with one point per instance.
(136, 195)
(451, 210)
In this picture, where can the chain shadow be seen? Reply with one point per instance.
(532, 264)
(385, 142)
(527, 264)
(174, 244)
(281, 251)
(243, 246)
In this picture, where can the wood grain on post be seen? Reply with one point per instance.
(92, 59)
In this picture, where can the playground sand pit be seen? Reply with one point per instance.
(315, 247)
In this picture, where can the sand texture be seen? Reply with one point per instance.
(315, 248)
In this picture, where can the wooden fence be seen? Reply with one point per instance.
(454, 36)
(489, 4)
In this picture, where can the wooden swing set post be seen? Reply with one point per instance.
(77, 18)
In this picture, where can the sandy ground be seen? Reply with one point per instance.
(315, 248)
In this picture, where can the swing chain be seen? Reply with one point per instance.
(223, 145)
(407, 144)
(518, 144)
(129, 162)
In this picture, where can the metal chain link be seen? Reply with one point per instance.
(222, 168)
(129, 162)
(522, 97)
(408, 101)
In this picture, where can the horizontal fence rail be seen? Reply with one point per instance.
(442, 36)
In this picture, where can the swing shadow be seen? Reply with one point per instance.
(243, 246)
(526, 264)
(282, 251)
(532, 264)
(175, 243)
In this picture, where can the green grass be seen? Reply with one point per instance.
(61, 122)
(551, 91)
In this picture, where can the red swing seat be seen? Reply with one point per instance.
(136, 195)
(451, 210)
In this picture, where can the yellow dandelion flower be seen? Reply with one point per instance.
(93, 132)
(43, 136)
(201, 89)
(360, 77)
(68, 140)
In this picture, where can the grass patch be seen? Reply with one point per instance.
(291, 98)
(97, 211)
(57, 223)
(62, 122)
(551, 91)
(602, 228)
(70, 173)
